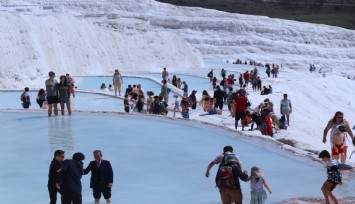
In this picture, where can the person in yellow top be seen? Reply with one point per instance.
(117, 82)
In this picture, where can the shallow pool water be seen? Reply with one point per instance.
(194, 82)
(82, 102)
(94, 83)
(154, 160)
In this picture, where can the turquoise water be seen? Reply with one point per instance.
(82, 102)
(154, 160)
(94, 83)
(194, 82)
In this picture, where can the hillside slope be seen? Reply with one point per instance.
(330, 12)
(91, 37)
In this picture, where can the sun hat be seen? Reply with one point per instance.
(255, 172)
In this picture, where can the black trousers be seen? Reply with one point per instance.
(219, 105)
(53, 194)
(193, 106)
(71, 198)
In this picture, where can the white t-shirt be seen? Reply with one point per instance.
(26, 95)
(219, 159)
(285, 104)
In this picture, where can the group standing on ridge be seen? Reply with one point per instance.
(54, 92)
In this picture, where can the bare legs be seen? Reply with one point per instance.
(342, 157)
(288, 120)
(326, 190)
(55, 106)
(108, 200)
(62, 108)
(236, 124)
(69, 108)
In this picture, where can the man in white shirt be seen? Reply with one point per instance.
(219, 158)
(286, 108)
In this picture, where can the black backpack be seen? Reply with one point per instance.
(23, 97)
(156, 107)
(225, 177)
(210, 74)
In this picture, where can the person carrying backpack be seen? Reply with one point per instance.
(268, 71)
(156, 106)
(185, 107)
(25, 98)
(210, 75)
(223, 73)
(228, 174)
(192, 100)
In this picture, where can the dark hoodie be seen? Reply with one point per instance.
(70, 177)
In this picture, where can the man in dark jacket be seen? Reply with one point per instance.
(53, 176)
(193, 100)
(70, 179)
(101, 177)
(219, 96)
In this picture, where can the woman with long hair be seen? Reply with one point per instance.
(205, 98)
(64, 94)
(41, 97)
(140, 101)
(333, 124)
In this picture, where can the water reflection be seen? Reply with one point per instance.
(60, 133)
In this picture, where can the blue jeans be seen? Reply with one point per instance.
(64, 100)
(185, 115)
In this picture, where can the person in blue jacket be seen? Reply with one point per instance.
(69, 181)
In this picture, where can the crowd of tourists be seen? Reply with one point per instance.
(228, 91)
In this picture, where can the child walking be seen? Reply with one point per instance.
(126, 103)
(338, 144)
(257, 183)
(176, 104)
(334, 176)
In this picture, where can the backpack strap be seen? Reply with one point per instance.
(219, 167)
(224, 162)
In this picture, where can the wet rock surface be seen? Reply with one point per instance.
(310, 200)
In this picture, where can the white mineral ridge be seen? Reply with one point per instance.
(95, 37)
